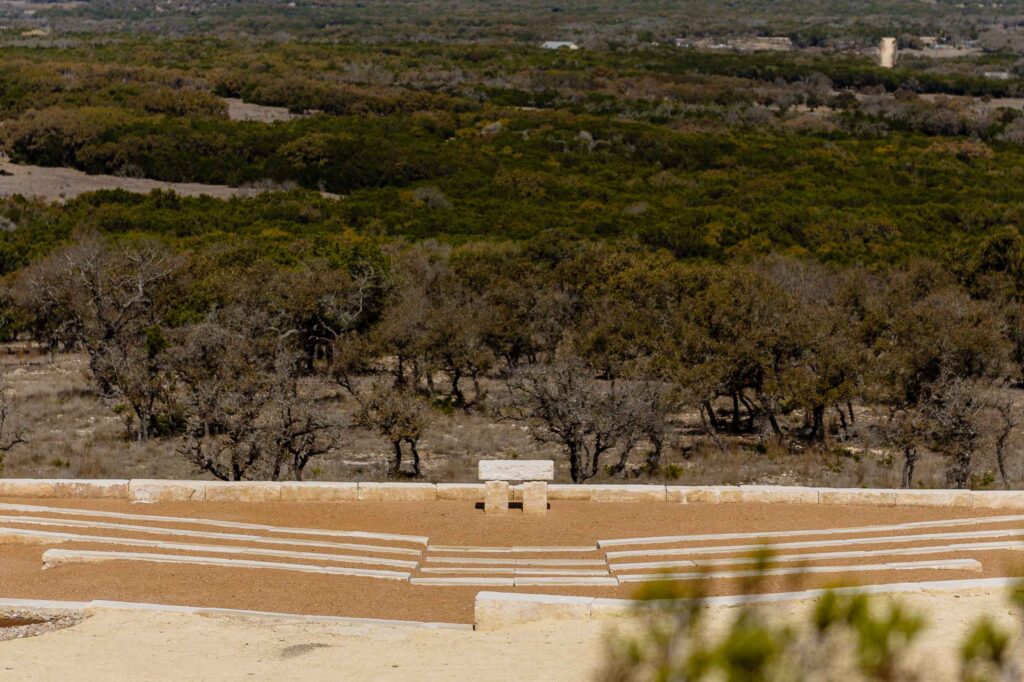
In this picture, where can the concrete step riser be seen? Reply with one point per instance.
(952, 565)
(58, 557)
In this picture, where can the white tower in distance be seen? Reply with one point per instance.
(887, 53)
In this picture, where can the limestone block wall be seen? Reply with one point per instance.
(153, 490)
(499, 610)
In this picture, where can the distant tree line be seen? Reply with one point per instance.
(410, 113)
(824, 24)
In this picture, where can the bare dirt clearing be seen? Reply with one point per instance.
(60, 184)
(246, 111)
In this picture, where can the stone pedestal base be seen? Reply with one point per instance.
(496, 497)
(535, 497)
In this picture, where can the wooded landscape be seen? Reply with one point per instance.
(577, 340)
(628, 250)
(592, 345)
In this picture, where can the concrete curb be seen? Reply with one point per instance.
(69, 488)
(48, 537)
(153, 490)
(397, 492)
(498, 610)
(319, 492)
(216, 523)
(940, 565)
(98, 604)
(60, 557)
(210, 535)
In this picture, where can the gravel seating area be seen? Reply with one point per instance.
(427, 560)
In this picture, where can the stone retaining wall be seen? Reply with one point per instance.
(498, 610)
(153, 490)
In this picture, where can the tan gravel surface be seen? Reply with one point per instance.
(157, 647)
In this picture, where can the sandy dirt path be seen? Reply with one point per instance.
(58, 184)
(61, 184)
(159, 646)
(120, 645)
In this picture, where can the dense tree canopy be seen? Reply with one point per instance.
(589, 242)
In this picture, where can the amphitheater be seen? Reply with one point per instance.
(398, 577)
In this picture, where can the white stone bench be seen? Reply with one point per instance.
(533, 473)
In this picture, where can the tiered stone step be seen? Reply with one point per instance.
(580, 566)
(115, 536)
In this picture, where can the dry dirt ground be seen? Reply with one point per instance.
(245, 111)
(73, 434)
(60, 184)
(122, 645)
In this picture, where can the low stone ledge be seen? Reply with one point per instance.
(242, 491)
(627, 493)
(316, 491)
(566, 491)
(853, 496)
(935, 498)
(59, 557)
(770, 494)
(497, 610)
(64, 488)
(15, 537)
(155, 490)
(708, 494)
(160, 490)
(997, 499)
(27, 487)
(603, 608)
(91, 489)
(466, 492)
(397, 492)
(569, 491)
